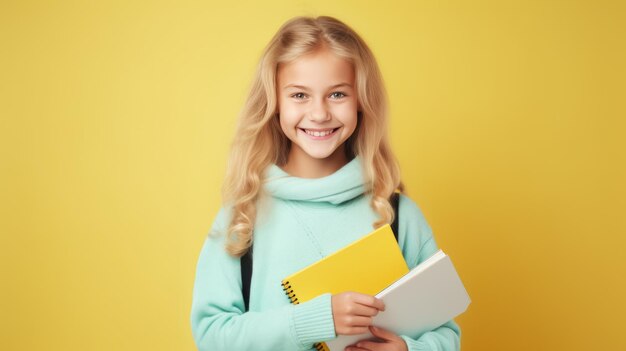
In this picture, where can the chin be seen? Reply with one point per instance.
(320, 156)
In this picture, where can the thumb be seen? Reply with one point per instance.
(383, 334)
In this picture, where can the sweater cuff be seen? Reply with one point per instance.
(415, 345)
(313, 321)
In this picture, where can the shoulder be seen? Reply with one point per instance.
(412, 217)
(415, 235)
(215, 238)
(410, 208)
(220, 222)
(213, 252)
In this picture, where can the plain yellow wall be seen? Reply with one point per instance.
(116, 118)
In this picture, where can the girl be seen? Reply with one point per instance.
(311, 171)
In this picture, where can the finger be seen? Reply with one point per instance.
(358, 347)
(354, 331)
(370, 345)
(354, 348)
(357, 321)
(361, 310)
(383, 334)
(369, 300)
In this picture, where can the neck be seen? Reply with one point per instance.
(300, 164)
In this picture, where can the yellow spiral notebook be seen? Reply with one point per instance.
(367, 265)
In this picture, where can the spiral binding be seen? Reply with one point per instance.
(289, 291)
(320, 346)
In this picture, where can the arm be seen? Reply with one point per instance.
(218, 320)
(418, 244)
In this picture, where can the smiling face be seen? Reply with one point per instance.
(317, 105)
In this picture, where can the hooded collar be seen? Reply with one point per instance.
(343, 185)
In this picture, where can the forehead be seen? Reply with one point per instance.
(319, 69)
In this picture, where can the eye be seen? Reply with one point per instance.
(298, 95)
(335, 94)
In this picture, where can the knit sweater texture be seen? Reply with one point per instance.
(299, 221)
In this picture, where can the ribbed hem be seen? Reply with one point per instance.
(313, 321)
(414, 345)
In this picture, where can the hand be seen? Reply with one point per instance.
(353, 312)
(390, 342)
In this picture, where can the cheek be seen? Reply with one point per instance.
(283, 124)
(289, 115)
(347, 114)
(287, 122)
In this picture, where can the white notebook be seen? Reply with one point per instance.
(430, 295)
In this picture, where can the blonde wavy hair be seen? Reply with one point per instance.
(260, 142)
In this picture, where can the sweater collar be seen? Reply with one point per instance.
(343, 185)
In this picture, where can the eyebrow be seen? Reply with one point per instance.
(306, 88)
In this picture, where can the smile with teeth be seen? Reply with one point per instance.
(318, 133)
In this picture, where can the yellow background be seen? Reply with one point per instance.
(116, 118)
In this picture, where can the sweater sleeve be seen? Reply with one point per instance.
(218, 319)
(418, 244)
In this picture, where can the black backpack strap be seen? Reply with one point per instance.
(395, 203)
(246, 277)
(246, 260)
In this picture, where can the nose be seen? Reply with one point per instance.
(319, 111)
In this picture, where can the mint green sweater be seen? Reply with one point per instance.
(299, 222)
